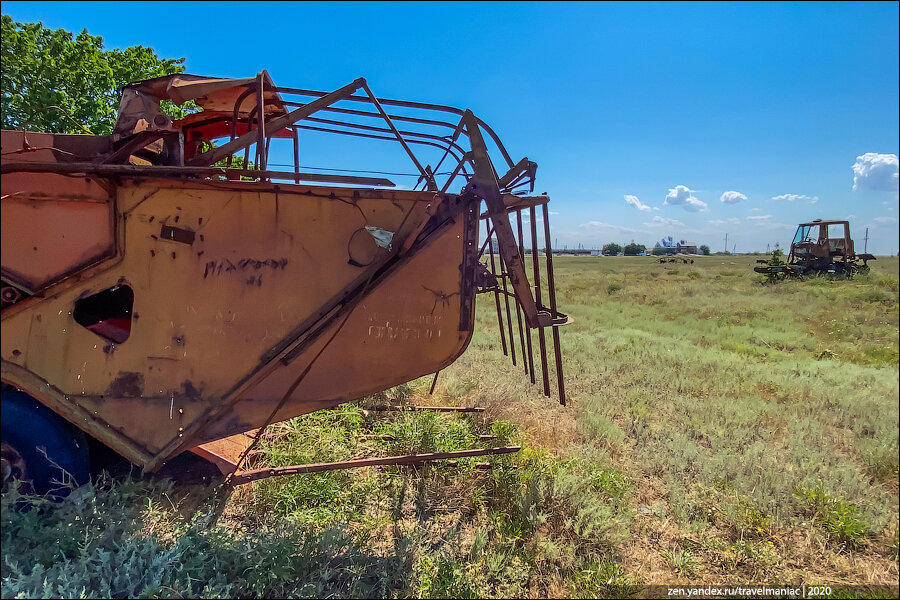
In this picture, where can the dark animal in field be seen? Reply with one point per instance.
(662, 260)
(684, 260)
(692, 261)
(672, 260)
(761, 261)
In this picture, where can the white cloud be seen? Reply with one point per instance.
(664, 222)
(728, 221)
(755, 209)
(601, 227)
(792, 197)
(633, 201)
(732, 197)
(876, 172)
(760, 218)
(682, 196)
(885, 220)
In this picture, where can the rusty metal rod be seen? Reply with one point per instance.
(433, 382)
(551, 292)
(512, 343)
(261, 146)
(535, 256)
(497, 300)
(407, 104)
(277, 124)
(409, 459)
(434, 408)
(490, 230)
(393, 438)
(163, 170)
(530, 368)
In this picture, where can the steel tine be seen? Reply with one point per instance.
(519, 319)
(497, 300)
(490, 230)
(551, 292)
(433, 382)
(530, 367)
(535, 261)
(503, 271)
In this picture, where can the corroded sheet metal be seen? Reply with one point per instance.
(224, 274)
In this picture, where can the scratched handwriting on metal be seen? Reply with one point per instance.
(225, 266)
(395, 328)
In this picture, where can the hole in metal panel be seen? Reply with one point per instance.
(107, 313)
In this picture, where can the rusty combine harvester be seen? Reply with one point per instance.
(164, 289)
(820, 248)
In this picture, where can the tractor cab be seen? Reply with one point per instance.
(819, 243)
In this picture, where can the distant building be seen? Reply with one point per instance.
(667, 246)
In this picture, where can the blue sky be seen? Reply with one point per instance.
(640, 116)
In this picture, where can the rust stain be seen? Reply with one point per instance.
(127, 385)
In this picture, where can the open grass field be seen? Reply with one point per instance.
(718, 431)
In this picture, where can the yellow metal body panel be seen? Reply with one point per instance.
(218, 305)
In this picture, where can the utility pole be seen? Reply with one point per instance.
(726, 242)
(866, 241)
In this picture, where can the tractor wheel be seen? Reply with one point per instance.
(40, 449)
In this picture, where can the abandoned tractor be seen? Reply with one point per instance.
(820, 248)
(167, 288)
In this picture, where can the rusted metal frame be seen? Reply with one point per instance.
(457, 130)
(296, 140)
(430, 136)
(514, 203)
(418, 105)
(410, 459)
(163, 170)
(408, 408)
(343, 300)
(504, 277)
(132, 145)
(551, 292)
(527, 329)
(535, 262)
(497, 300)
(235, 118)
(520, 169)
(490, 231)
(277, 123)
(368, 135)
(484, 185)
(430, 210)
(519, 312)
(468, 266)
(366, 113)
(425, 180)
(261, 146)
(432, 186)
(460, 167)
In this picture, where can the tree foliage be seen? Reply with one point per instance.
(58, 82)
(611, 249)
(704, 249)
(633, 249)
